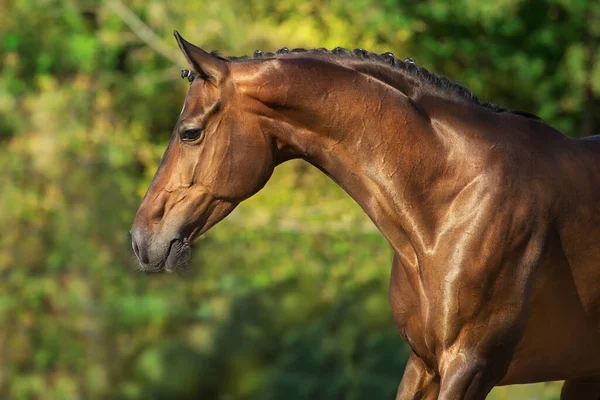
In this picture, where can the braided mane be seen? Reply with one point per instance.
(408, 66)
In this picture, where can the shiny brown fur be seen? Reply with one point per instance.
(494, 218)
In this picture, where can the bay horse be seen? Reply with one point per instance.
(493, 215)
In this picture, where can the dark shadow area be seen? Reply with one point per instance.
(332, 355)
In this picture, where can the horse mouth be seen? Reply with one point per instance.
(178, 251)
(176, 258)
(178, 255)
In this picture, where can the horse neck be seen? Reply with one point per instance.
(366, 135)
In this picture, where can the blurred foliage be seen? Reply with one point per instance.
(288, 297)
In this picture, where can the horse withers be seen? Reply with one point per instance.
(493, 216)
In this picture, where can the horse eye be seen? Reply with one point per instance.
(189, 135)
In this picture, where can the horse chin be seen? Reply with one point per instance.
(178, 256)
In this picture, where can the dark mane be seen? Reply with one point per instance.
(408, 66)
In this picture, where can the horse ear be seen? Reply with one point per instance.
(205, 64)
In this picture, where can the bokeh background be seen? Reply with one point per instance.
(287, 298)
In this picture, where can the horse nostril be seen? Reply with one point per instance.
(139, 251)
(136, 249)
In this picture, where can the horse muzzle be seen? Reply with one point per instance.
(157, 255)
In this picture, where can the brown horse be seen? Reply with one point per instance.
(493, 216)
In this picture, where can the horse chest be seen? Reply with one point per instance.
(409, 312)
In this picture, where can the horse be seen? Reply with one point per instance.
(493, 215)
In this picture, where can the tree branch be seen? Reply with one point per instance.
(142, 30)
